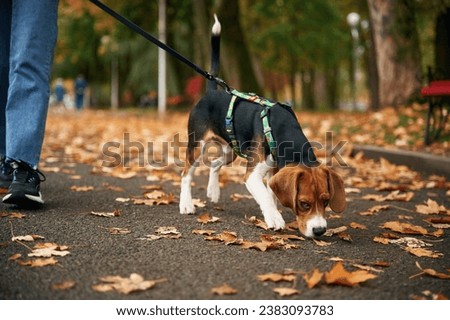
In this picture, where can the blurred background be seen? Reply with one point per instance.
(315, 54)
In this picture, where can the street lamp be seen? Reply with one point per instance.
(353, 20)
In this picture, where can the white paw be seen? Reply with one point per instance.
(187, 207)
(275, 220)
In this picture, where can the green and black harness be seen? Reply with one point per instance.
(264, 115)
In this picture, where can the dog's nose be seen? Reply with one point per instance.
(318, 231)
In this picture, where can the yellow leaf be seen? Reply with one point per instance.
(284, 292)
(224, 289)
(276, 277)
(313, 279)
(339, 276)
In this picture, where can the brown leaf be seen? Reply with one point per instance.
(332, 231)
(322, 243)
(237, 196)
(29, 237)
(284, 292)
(207, 218)
(430, 272)
(339, 276)
(115, 230)
(134, 282)
(439, 223)
(276, 277)
(224, 289)
(421, 252)
(40, 262)
(227, 237)
(374, 210)
(15, 257)
(431, 207)
(257, 222)
(356, 225)
(199, 203)
(63, 285)
(404, 228)
(81, 188)
(115, 213)
(203, 232)
(313, 279)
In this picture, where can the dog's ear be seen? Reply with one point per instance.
(337, 192)
(285, 185)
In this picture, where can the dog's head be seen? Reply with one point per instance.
(308, 191)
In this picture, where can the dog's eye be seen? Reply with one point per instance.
(305, 205)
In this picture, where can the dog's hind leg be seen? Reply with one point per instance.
(192, 160)
(213, 191)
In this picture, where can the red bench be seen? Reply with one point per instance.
(438, 94)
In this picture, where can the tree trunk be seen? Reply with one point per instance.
(236, 63)
(396, 48)
(202, 33)
(442, 45)
(308, 98)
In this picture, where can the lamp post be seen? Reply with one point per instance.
(353, 20)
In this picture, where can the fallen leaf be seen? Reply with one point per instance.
(115, 213)
(15, 257)
(65, 285)
(48, 252)
(203, 232)
(276, 277)
(359, 226)
(439, 223)
(120, 199)
(332, 231)
(224, 289)
(81, 188)
(339, 276)
(366, 268)
(28, 238)
(313, 279)
(227, 237)
(134, 282)
(285, 292)
(40, 262)
(199, 203)
(257, 222)
(404, 228)
(167, 231)
(431, 207)
(430, 272)
(421, 252)
(237, 196)
(322, 243)
(374, 209)
(207, 218)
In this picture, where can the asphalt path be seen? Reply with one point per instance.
(190, 265)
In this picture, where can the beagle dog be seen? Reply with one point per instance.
(293, 175)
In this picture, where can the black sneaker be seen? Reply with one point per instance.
(6, 173)
(24, 190)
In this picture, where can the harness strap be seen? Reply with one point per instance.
(229, 127)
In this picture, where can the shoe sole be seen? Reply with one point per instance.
(24, 200)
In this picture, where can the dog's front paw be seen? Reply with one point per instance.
(213, 193)
(187, 207)
(275, 221)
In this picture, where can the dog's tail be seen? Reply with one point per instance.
(215, 53)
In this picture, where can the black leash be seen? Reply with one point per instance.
(160, 44)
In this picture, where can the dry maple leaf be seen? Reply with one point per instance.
(322, 243)
(332, 231)
(207, 218)
(439, 223)
(359, 226)
(339, 276)
(431, 207)
(374, 209)
(430, 272)
(47, 252)
(167, 231)
(227, 237)
(276, 277)
(313, 279)
(285, 292)
(224, 289)
(115, 213)
(404, 228)
(237, 196)
(203, 232)
(199, 203)
(421, 252)
(29, 237)
(40, 262)
(257, 222)
(134, 282)
(81, 188)
(65, 285)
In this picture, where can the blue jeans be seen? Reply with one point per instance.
(28, 31)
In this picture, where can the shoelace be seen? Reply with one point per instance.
(27, 172)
